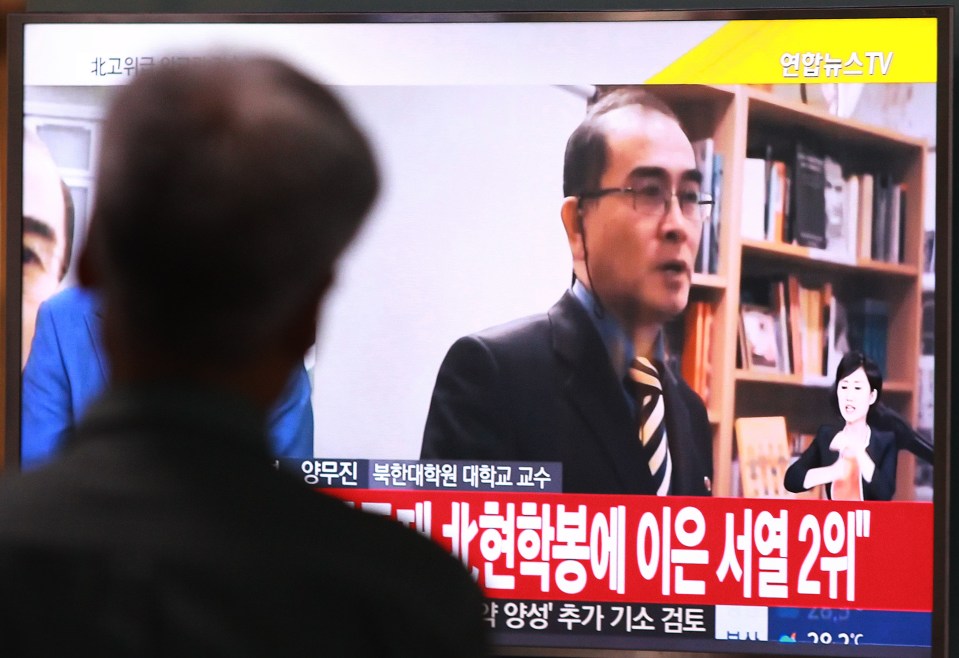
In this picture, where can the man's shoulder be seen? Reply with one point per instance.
(395, 568)
(365, 583)
(290, 519)
(512, 331)
(277, 538)
(71, 301)
(527, 330)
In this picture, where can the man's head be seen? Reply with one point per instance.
(632, 213)
(230, 187)
(47, 231)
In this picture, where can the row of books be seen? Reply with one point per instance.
(688, 346)
(792, 328)
(710, 165)
(808, 201)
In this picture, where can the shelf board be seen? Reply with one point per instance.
(714, 281)
(824, 258)
(811, 381)
(768, 108)
(768, 377)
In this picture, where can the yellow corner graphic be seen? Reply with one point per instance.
(810, 51)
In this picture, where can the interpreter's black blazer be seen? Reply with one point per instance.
(881, 449)
(543, 389)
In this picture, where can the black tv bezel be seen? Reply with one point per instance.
(946, 509)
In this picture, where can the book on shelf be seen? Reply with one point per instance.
(710, 166)
(716, 216)
(868, 329)
(775, 219)
(696, 361)
(808, 199)
(779, 304)
(703, 152)
(812, 304)
(888, 219)
(795, 324)
(828, 328)
(764, 455)
(753, 213)
(902, 215)
(929, 252)
(851, 208)
(928, 324)
(812, 202)
(816, 304)
(808, 324)
(760, 334)
(841, 203)
(895, 223)
(764, 311)
(838, 335)
(881, 200)
(687, 343)
(866, 184)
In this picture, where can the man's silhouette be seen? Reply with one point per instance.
(228, 190)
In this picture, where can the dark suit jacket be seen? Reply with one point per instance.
(543, 389)
(164, 530)
(67, 370)
(881, 449)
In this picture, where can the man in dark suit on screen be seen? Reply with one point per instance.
(228, 189)
(584, 384)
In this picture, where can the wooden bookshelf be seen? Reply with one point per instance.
(709, 281)
(738, 118)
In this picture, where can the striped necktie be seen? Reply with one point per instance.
(652, 426)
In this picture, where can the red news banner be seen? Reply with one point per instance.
(678, 550)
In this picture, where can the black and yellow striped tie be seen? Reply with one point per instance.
(652, 425)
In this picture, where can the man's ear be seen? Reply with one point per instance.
(572, 216)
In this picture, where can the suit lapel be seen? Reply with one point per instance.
(688, 469)
(597, 396)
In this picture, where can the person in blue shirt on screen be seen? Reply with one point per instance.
(67, 369)
(47, 232)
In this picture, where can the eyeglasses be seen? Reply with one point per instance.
(653, 201)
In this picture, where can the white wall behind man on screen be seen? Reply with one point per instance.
(465, 235)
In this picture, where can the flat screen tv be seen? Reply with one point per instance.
(816, 210)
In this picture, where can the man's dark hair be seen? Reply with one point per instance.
(229, 187)
(69, 219)
(586, 149)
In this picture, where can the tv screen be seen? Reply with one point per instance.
(763, 483)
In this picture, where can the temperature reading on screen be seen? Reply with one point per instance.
(827, 638)
(828, 614)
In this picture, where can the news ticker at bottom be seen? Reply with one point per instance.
(675, 550)
(825, 626)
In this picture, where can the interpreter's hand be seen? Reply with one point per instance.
(842, 468)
